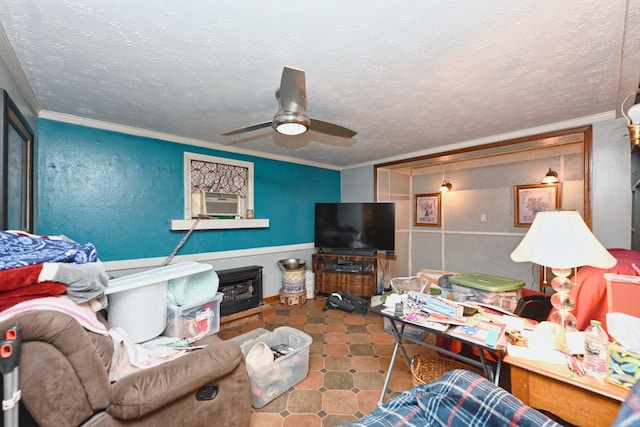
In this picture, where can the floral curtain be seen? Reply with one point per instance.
(219, 178)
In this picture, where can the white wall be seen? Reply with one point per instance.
(611, 192)
(356, 184)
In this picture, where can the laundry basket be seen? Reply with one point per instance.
(425, 369)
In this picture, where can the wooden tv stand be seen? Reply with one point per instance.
(355, 274)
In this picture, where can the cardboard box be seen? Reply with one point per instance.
(269, 382)
(197, 320)
(624, 366)
(499, 291)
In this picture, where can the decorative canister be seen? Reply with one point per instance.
(292, 275)
(292, 287)
(297, 298)
(293, 281)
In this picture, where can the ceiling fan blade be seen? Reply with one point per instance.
(331, 129)
(248, 128)
(293, 90)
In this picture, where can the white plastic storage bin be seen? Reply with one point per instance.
(138, 302)
(269, 382)
(197, 320)
(499, 291)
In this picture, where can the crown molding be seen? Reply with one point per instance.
(131, 130)
(9, 56)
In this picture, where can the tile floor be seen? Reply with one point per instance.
(348, 360)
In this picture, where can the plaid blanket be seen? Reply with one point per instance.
(458, 398)
(629, 415)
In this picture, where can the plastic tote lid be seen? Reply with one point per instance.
(486, 282)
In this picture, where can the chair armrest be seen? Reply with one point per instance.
(145, 391)
(89, 354)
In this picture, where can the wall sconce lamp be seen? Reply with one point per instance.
(445, 187)
(550, 178)
(633, 120)
(561, 240)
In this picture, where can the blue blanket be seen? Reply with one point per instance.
(18, 250)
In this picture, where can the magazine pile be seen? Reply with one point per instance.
(484, 327)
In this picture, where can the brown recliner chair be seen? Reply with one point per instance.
(64, 380)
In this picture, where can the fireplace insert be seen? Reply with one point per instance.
(241, 288)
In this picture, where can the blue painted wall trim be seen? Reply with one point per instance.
(119, 191)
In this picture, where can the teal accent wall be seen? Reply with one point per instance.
(120, 191)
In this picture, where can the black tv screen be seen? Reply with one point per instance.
(355, 226)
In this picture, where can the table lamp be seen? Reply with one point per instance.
(561, 240)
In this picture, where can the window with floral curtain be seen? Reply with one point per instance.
(218, 175)
(219, 178)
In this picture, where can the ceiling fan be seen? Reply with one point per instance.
(291, 117)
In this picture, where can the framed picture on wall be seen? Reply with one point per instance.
(534, 198)
(427, 210)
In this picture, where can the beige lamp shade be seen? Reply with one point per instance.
(561, 239)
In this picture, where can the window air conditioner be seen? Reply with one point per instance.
(215, 204)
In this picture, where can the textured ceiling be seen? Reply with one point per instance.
(407, 76)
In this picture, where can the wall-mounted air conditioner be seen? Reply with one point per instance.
(216, 204)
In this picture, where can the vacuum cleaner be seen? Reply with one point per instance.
(345, 301)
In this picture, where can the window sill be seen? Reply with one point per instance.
(218, 224)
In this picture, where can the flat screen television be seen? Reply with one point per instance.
(355, 228)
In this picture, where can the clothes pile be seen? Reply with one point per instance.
(35, 266)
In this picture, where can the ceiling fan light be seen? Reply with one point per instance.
(288, 123)
(291, 128)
